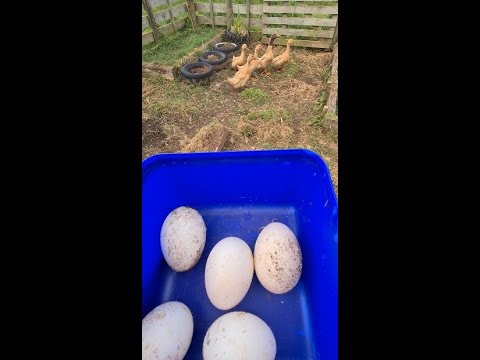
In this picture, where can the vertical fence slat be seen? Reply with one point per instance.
(211, 13)
(335, 34)
(286, 3)
(171, 15)
(192, 13)
(248, 14)
(229, 14)
(151, 21)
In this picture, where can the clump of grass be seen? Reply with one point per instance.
(262, 115)
(257, 96)
(322, 100)
(248, 132)
(286, 115)
(316, 121)
(238, 27)
(325, 73)
(292, 68)
(176, 45)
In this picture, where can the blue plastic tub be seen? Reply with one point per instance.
(238, 193)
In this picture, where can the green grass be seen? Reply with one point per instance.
(261, 115)
(174, 46)
(322, 100)
(257, 96)
(247, 132)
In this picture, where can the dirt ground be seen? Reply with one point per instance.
(279, 111)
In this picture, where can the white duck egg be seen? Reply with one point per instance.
(228, 272)
(278, 258)
(167, 332)
(182, 238)
(239, 335)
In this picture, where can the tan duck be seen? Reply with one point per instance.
(239, 60)
(267, 58)
(283, 58)
(241, 76)
(250, 69)
(255, 57)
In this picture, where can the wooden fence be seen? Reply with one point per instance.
(166, 21)
(312, 25)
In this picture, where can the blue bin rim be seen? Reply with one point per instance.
(233, 154)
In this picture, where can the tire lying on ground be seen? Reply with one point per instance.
(188, 73)
(216, 64)
(229, 51)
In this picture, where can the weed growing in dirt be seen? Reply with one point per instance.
(316, 121)
(292, 68)
(325, 73)
(248, 132)
(322, 100)
(257, 96)
(286, 115)
(262, 115)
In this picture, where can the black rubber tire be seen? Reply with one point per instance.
(203, 57)
(188, 75)
(224, 50)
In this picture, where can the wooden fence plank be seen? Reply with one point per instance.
(318, 44)
(170, 12)
(285, 15)
(191, 13)
(334, 40)
(165, 15)
(332, 96)
(145, 23)
(222, 21)
(236, 8)
(211, 13)
(164, 30)
(247, 10)
(229, 14)
(300, 9)
(299, 21)
(155, 3)
(254, 9)
(299, 32)
(147, 38)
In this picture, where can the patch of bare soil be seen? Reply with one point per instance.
(225, 46)
(198, 69)
(213, 57)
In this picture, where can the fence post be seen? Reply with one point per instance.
(229, 14)
(212, 20)
(151, 21)
(335, 34)
(248, 14)
(191, 12)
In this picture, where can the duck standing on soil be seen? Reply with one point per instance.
(250, 69)
(239, 60)
(283, 58)
(267, 58)
(255, 57)
(241, 76)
